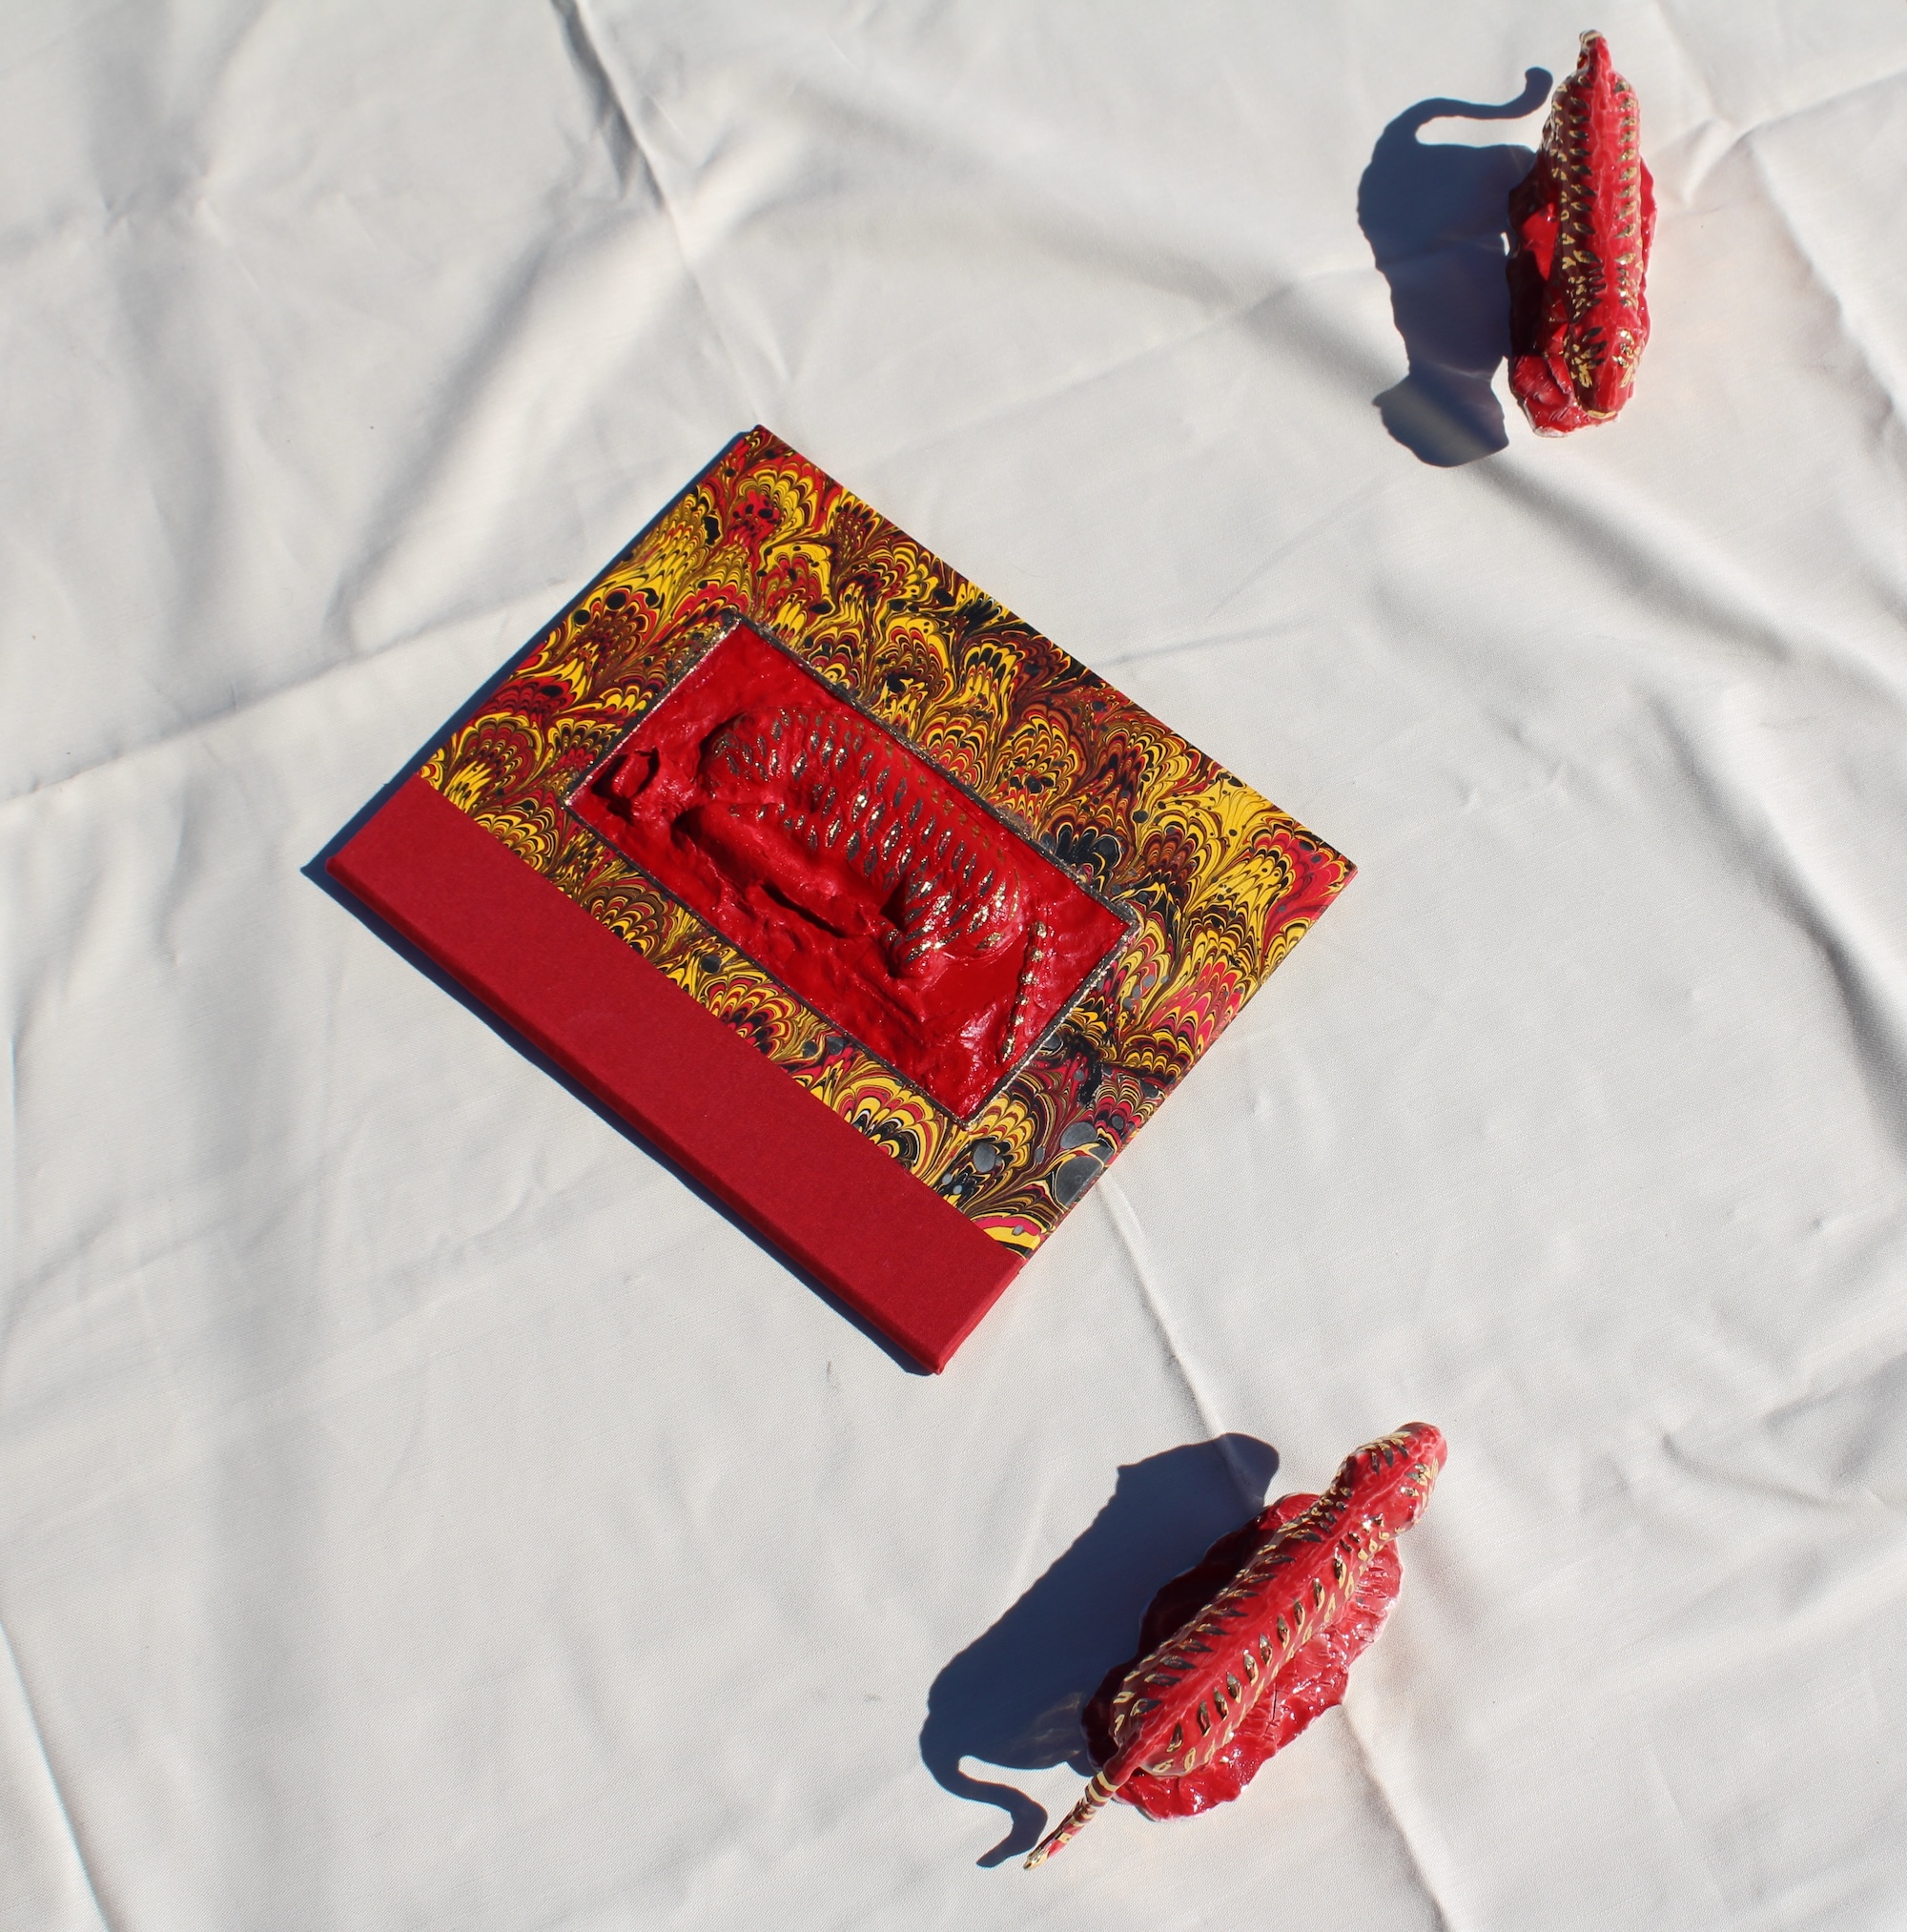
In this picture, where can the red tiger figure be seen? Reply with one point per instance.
(818, 787)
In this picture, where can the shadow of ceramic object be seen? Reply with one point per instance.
(1437, 217)
(1012, 1698)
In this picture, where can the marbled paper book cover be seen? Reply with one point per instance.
(886, 918)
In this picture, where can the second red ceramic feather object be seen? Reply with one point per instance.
(1581, 225)
(1178, 1709)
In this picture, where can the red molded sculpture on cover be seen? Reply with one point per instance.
(1239, 1655)
(880, 892)
(1581, 224)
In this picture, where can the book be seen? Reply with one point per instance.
(884, 918)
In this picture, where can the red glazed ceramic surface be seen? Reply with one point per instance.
(1303, 1690)
(1180, 1707)
(1581, 224)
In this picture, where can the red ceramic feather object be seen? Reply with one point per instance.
(1241, 1672)
(1304, 1689)
(1581, 224)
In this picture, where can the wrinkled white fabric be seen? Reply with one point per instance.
(419, 1509)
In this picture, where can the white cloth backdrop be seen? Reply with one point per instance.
(418, 1508)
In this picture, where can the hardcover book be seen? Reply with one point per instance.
(883, 917)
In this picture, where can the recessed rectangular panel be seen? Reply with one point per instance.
(896, 905)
